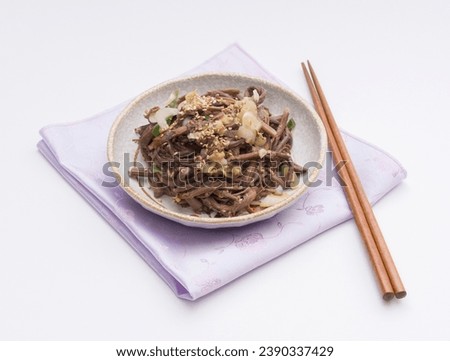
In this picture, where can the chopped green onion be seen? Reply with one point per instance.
(174, 103)
(206, 117)
(284, 170)
(156, 130)
(291, 124)
(169, 119)
(155, 169)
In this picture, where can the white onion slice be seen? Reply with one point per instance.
(247, 133)
(161, 115)
(250, 120)
(262, 152)
(271, 199)
(255, 96)
(172, 97)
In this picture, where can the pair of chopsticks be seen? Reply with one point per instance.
(382, 262)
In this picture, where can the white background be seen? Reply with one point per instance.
(66, 274)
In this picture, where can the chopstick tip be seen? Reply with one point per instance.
(401, 294)
(388, 296)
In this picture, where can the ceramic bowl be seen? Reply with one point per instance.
(309, 144)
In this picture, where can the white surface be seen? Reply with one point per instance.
(66, 274)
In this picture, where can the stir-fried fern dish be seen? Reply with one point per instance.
(222, 153)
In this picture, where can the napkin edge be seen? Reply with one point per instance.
(116, 223)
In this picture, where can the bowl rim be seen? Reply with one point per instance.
(236, 220)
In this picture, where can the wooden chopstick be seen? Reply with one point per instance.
(385, 270)
(360, 219)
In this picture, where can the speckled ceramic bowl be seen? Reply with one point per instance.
(309, 143)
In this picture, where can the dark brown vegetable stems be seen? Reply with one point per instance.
(223, 153)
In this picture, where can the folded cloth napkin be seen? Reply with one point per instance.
(193, 261)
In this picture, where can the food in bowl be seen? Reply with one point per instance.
(222, 153)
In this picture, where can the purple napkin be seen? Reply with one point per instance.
(192, 261)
